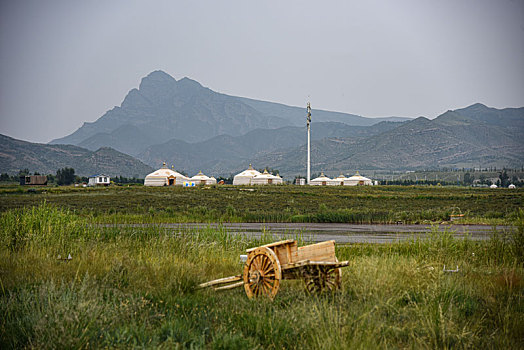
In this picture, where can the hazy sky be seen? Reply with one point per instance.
(66, 62)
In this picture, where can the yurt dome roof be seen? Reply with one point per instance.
(266, 175)
(200, 176)
(358, 177)
(322, 177)
(165, 172)
(249, 172)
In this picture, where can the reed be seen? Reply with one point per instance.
(359, 204)
(135, 287)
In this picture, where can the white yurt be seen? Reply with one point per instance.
(244, 178)
(493, 186)
(322, 180)
(512, 186)
(201, 179)
(266, 179)
(165, 177)
(338, 181)
(358, 180)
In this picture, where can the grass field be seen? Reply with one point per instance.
(370, 204)
(135, 287)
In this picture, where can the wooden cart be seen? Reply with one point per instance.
(267, 265)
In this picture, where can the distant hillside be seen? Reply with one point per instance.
(194, 128)
(470, 137)
(225, 154)
(163, 109)
(46, 159)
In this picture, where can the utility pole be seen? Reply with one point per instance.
(308, 143)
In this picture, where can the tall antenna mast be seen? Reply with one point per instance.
(308, 143)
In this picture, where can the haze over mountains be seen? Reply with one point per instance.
(194, 128)
(47, 159)
(476, 136)
(163, 109)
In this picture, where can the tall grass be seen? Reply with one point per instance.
(135, 287)
(359, 204)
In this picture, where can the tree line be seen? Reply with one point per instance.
(66, 176)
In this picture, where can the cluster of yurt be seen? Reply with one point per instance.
(251, 176)
(341, 180)
(169, 177)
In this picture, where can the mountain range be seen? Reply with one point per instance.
(476, 136)
(188, 125)
(47, 159)
(164, 109)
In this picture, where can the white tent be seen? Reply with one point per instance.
(511, 186)
(338, 181)
(244, 178)
(165, 177)
(322, 180)
(357, 179)
(201, 179)
(493, 186)
(266, 179)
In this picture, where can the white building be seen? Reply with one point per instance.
(493, 186)
(244, 178)
(322, 180)
(99, 180)
(201, 179)
(165, 177)
(338, 181)
(512, 186)
(358, 180)
(266, 179)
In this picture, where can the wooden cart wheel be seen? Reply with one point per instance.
(323, 279)
(262, 273)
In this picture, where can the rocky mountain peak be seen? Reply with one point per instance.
(158, 76)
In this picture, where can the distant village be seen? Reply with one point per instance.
(165, 176)
(169, 177)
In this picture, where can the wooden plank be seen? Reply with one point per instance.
(220, 281)
(319, 263)
(287, 241)
(330, 243)
(295, 264)
(230, 286)
(286, 253)
(332, 264)
(323, 251)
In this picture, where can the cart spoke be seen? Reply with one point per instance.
(265, 263)
(266, 290)
(256, 289)
(256, 262)
(266, 283)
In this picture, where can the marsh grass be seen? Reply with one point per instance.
(135, 287)
(358, 204)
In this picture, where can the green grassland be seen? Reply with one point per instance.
(370, 204)
(135, 286)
